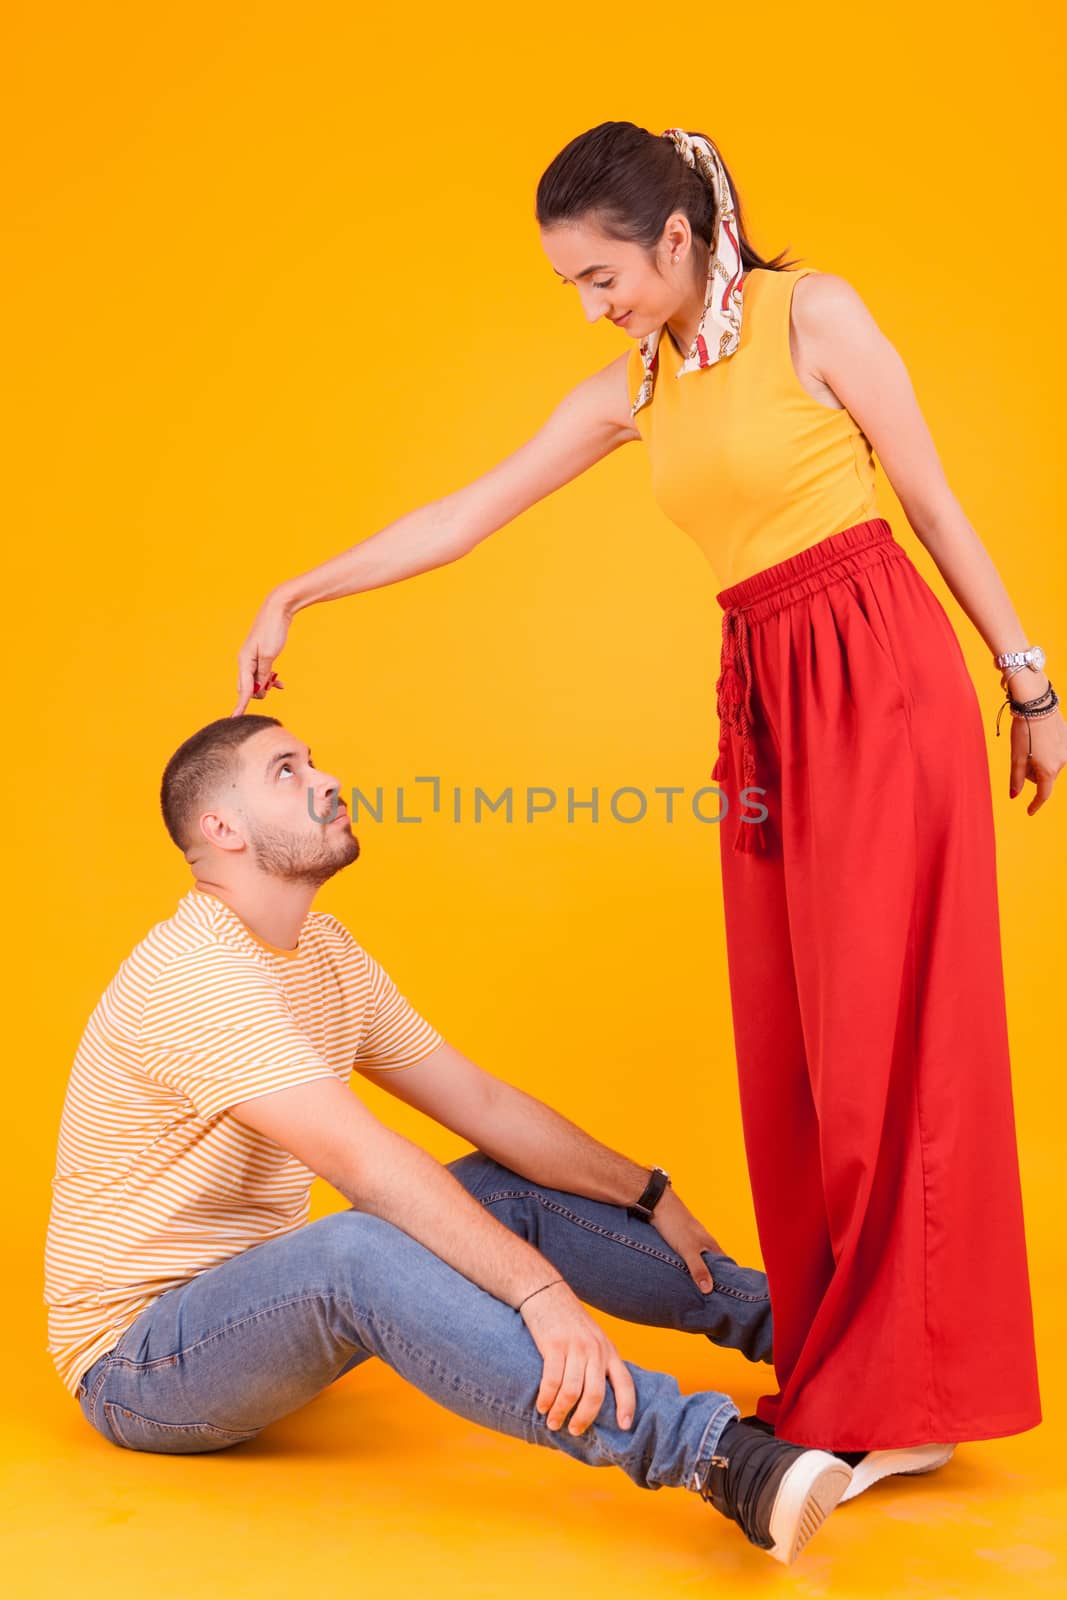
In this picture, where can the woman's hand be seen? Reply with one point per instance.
(256, 658)
(1047, 756)
(579, 1361)
(685, 1234)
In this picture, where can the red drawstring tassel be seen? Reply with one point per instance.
(728, 702)
(751, 837)
(734, 705)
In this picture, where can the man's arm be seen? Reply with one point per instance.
(531, 1139)
(335, 1135)
(332, 1132)
(512, 1127)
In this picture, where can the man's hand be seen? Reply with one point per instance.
(685, 1234)
(579, 1360)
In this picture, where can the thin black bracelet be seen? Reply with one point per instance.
(530, 1296)
(1034, 709)
(1037, 702)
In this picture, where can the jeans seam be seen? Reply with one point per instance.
(217, 1333)
(620, 1238)
(741, 1294)
(97, 1386)
(572, 1216)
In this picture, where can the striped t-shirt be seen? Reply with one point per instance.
(154, 1181)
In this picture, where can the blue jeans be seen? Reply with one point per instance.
(218, 1358)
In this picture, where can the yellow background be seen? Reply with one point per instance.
(272, 278)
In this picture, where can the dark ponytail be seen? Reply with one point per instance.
(627, 182)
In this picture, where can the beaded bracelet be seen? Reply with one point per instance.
(1042, 705)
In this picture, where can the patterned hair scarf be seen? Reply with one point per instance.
(719, 330)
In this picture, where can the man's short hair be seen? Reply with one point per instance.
(200, 769)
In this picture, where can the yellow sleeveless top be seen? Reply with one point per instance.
(743, 459)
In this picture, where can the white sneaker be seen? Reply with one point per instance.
(808, 1492)
(876, 1464)
(778, 1494)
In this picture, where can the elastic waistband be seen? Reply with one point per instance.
(766, 592)
(760, 596)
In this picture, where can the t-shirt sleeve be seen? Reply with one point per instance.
(217, 1028)
(395, 1035)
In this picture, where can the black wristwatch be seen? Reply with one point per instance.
(652, 1191)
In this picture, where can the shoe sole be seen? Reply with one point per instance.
(878, 1464)
(807, 1494)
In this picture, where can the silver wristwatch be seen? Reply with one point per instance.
(1034, 658)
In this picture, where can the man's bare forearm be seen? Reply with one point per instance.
(532, 1139)
(403, 1184)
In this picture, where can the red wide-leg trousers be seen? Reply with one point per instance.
(863, 945)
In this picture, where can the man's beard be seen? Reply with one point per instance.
(302, 860)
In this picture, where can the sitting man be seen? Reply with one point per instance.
(190, 1301)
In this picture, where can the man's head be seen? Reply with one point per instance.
(241, 798)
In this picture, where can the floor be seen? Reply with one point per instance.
(372, 1484)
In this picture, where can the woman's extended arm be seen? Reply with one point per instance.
(591, 421)
(844, 346)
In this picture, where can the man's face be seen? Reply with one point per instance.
(281, 794)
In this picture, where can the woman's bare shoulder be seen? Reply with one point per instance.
(826, 296)
(609, 389)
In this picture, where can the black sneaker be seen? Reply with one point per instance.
(778, 1494)
(758, 1422)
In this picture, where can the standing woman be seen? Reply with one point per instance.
(858, 861)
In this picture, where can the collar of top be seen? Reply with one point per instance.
(719, 330)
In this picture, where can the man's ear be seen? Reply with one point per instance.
(221, 831)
